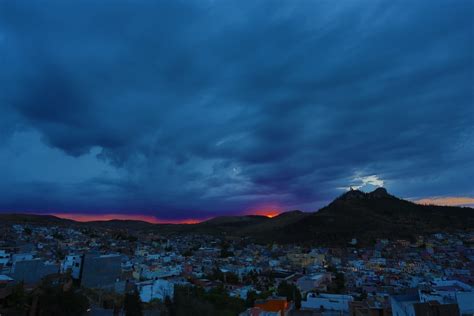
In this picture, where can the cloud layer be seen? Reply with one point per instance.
(191, 109)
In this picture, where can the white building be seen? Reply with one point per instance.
(242, 292)
(274, 263)
(73, 264)
(449, 292)
(157, 272)
(21, 257)
(153, 256)
(313, 282)
(403, 305)
(157, 289)
(4, 258)
(335, 302)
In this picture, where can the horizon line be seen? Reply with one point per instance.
(457, 201)
(87, 218)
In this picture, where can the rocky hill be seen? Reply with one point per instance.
(355, 214)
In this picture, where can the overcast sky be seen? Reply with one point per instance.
(191, 109)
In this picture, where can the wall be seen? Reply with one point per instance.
(100, 271)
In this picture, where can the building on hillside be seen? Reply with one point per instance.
(435, 308)
(272, 306)
(359, 308)
(21, 257)
(402, 305)
(157, 271)
(101, 271)
(301, 260)
(155, 289)
(72, 264)
(449, 292)
(32, 271)
(257, 311)
(4, 258)
(333, 302)
(410, 305)
(313, 282)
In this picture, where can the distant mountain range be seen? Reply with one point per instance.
(355, 214)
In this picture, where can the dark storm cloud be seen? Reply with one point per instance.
(192, 109)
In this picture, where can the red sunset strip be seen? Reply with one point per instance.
(136, 217)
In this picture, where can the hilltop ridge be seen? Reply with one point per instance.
(354, 214)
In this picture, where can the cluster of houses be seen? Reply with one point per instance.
(432, 275)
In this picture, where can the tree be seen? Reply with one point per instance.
(168, 303)
(340, 282)
(226, 277)
(18, 299)
(231, 278)
(251, 298)
(60, 255)
(133, 305)
(54, 301)
(190, 300)
(58, 236)
(188, 253)
(131, 238)
(291, 292)
(362, 296)
(250, 278)
(225, 253)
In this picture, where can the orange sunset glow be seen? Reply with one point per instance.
(270, 212)
(447, 201)
(134, 217)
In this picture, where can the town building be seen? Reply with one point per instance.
(101, 271)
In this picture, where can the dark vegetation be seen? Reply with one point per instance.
(196, 301)
(47, 299)
(291, 292)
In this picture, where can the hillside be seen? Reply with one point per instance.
(355, 214)
(377, 214)
(23, 218)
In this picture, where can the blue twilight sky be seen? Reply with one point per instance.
(190, 109)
